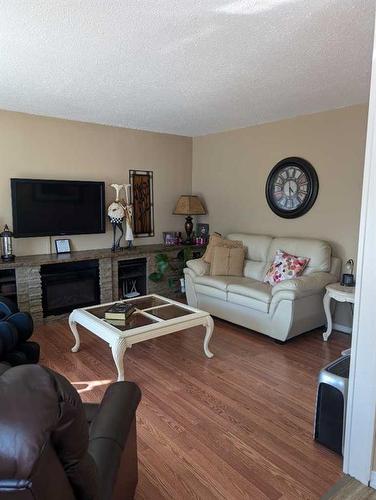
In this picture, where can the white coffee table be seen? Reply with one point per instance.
(154, 316)
(339, 293)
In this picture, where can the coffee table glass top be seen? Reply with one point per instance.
(134, 321)
(169, 312)
(147, 302)
(149, 310)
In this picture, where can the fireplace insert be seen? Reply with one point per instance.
(132, 278)
(69, 285)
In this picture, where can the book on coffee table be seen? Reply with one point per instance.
(119, 311)
(117, 322)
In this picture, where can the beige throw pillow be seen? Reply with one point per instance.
(216, 240)
(227, 261)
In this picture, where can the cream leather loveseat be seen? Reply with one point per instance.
(282, 311)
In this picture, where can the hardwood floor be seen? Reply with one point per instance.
(349, 489)
(238, 426)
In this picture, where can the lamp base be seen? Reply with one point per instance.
(188, 229)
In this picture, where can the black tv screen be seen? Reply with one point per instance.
(57, 208)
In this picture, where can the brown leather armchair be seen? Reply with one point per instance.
(54, 447)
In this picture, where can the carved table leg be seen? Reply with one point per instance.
(118, 348)
(209, 325)
(328, 313)
(73, 327)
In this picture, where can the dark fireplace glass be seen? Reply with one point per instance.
(70, 294)
(68, 286)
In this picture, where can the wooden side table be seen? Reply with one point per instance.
(339, 293)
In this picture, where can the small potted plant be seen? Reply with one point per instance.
(176, 265)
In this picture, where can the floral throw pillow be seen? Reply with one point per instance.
(285, 267)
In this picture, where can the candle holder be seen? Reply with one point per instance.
(7, 245)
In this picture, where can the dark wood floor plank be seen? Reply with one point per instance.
(237, 426)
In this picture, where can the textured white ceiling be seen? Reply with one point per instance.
(187, 67)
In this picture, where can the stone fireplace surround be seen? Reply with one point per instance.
(29, 282)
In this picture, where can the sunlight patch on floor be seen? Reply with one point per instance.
(86, 386)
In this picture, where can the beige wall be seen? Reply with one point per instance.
(230, 171)
(48, 148)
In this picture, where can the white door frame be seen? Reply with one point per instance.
(360, 429)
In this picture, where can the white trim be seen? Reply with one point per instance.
(360, 428)
(372, 483)
(342, 328)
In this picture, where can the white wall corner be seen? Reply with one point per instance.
(361, 406)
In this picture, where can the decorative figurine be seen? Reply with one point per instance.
(128, 216)
(7, 245)
(116, 214)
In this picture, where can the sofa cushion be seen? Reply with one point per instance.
(305, 285)
(221, 282)
(250, 293)
(257, 245)
(257, 248)
(255, 270)
(227, 261)
(318, 251)
(242, 300)
(254, 289)
(239, 290)
(211, 291)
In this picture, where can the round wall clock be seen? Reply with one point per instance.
(292, 187)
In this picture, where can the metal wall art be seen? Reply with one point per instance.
(143, 202)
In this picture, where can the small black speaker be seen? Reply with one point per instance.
(348, 280)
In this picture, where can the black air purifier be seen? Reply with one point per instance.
(330, 420)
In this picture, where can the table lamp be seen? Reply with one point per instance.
(189, 205)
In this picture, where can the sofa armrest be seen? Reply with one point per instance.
(309, 284)
(113, 417)
(198, 266)
(111, 430)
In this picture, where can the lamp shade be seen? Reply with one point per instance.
(189, 205)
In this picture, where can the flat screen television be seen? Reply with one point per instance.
(57, 208)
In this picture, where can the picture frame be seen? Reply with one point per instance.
(62, 246)
(170, 238)
(202, 231)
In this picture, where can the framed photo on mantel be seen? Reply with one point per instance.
(62, 246)
(143, 202)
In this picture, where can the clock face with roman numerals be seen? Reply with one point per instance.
(292, 187)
